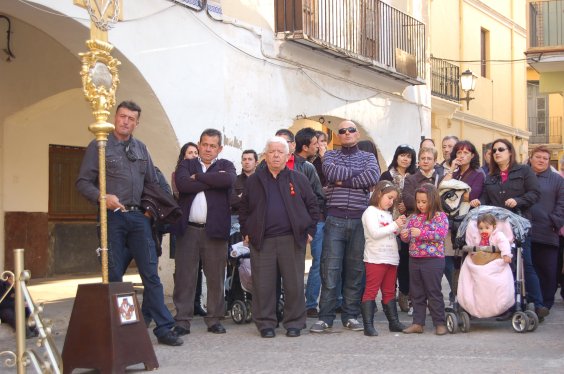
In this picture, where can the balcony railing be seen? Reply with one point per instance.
(367, 32)
(546, 23)
(444, 80)
(545, 130)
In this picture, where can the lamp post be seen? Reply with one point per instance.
(468, 84)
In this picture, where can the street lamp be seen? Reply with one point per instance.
(468, 83)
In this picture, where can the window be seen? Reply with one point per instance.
(65, 202)
(484, 52)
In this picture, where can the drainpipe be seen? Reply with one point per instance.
(512, 67)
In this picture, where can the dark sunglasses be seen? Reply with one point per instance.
(500, 149)
(351, 130)
(130, 154)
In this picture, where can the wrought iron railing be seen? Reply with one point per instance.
(46, 361)
(546, 23)
(444, 80)
(368, 29)
(545, 130)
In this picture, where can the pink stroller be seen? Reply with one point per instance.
(486, 285)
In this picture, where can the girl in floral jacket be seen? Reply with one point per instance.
(426, 232)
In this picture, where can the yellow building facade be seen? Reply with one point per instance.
(489, 39)
(545, 76)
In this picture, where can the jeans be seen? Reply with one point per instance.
(343, 252)
(313, 285)
(532, 284)
(129, 237)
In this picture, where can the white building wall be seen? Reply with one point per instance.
(190, 72)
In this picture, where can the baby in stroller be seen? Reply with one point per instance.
(486, 286)
(489, 236)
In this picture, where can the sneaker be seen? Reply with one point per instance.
(410, 311)
(320, 326)
(354, 325)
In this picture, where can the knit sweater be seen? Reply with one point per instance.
(350, 173)
(433, 233)
(380, 230)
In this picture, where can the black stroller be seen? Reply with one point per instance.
(238, 284)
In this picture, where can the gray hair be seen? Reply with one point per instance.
(449, 137)
(277, 140)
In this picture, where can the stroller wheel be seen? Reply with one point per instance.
(520, 322)
(533, 320)
(451, 322)
(464, 321)
(238, 312)
(249, 312)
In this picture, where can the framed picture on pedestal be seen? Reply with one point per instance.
(127, 308)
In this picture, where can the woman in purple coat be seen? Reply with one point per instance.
(465, 166)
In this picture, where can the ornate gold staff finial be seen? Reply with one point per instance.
(100, 79)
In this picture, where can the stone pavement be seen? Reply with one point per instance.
(489, 347)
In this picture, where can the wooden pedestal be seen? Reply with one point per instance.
(102, 336)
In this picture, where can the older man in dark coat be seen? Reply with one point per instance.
(278, 216)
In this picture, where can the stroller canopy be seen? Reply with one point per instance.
(519, 225)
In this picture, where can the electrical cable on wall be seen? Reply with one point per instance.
(8, 49)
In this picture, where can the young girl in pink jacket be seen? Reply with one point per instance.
(426, 232)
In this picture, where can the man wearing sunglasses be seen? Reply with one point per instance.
(128, 169)
(350, 174)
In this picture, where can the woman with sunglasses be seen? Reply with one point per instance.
(515, 187)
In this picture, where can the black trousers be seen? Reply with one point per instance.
(278, 253)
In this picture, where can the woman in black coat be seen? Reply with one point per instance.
(547, 221)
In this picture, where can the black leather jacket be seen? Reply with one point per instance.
(521, 184)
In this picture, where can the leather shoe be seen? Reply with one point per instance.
(199, 311)
(170, 338)
(414, 329)
(267, 333)
(217, 329)
(312, 313)
(180, 331)
(440, 330)
(293, 333)
(542, 311)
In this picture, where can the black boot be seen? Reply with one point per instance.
(391, 311)
(367, 309)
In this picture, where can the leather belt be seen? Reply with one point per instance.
(194, 224)
(133, 208)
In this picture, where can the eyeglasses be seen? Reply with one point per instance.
(351, 130)
(500, 149)
(129, 153)
(405, 146)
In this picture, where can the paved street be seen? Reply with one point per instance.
(490, 346)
